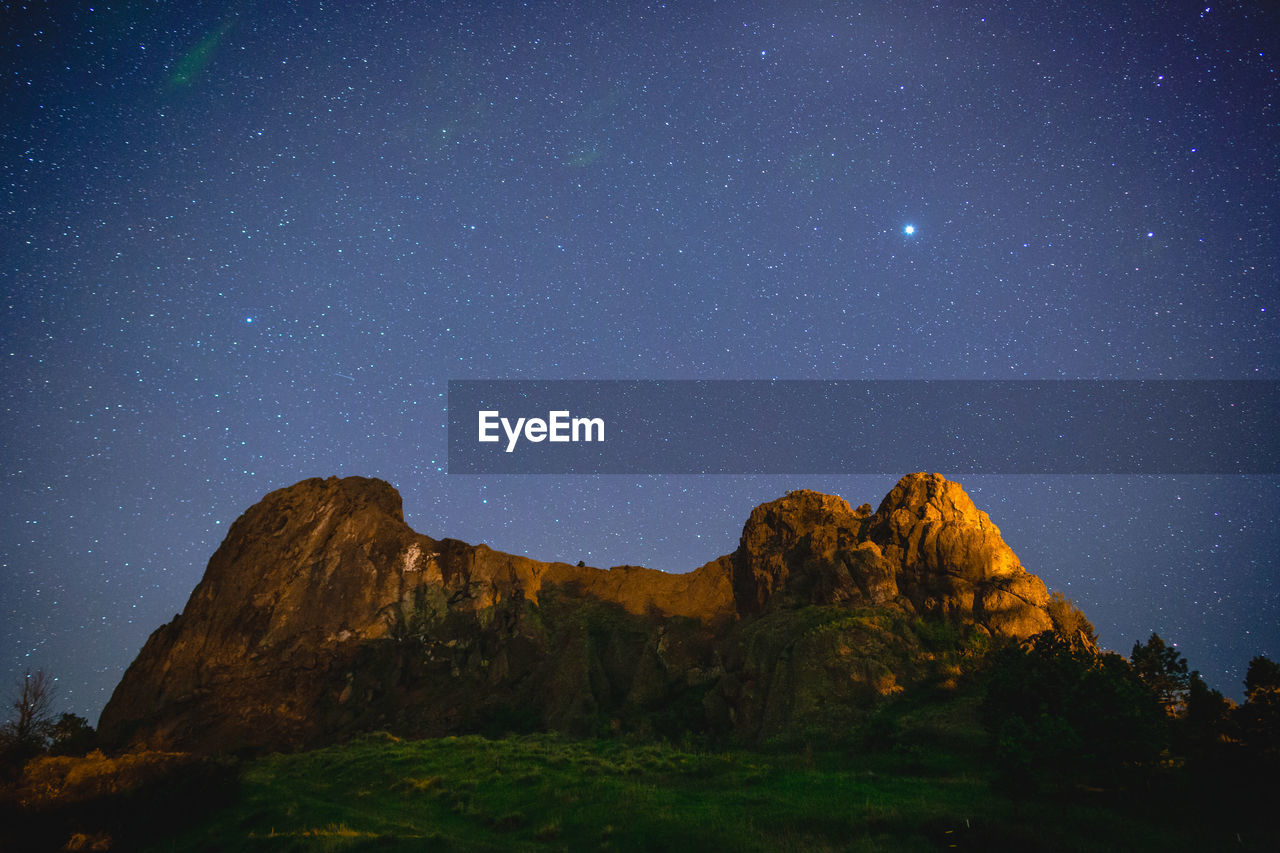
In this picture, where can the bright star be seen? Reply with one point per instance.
(909, 230)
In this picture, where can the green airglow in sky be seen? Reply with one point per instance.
(197, 59)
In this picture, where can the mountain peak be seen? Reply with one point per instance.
(323, 613)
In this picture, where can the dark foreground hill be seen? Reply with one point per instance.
(323, 614)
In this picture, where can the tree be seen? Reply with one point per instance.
(26, 734)
(33, 707)
(1164, 670)
(1207, 709)
(1200, 734)
(1262, 681)
(1061, 714)
(71, 735)
(1258, 719)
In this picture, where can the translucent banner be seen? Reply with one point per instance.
(864, 427)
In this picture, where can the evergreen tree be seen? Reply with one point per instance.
(1164, 670)
(1262, 681)
(1258, 719)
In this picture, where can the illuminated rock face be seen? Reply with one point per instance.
(927, 546)
(323, 614)
(950, 559)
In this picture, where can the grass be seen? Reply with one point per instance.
(542, 792)
(926, 790)
(916, 775)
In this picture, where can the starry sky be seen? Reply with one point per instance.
(246, 243)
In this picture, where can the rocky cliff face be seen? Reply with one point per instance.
(927, 544)
(323, 613)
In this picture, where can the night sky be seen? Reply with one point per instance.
(242, 244)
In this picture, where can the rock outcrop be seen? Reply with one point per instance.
(927, 543)
(323, 614)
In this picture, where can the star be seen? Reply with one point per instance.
(908, 230)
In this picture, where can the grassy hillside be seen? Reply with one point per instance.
(925, 790)
(916, 775)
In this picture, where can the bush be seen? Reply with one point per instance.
(125, 800)
(1070, 623)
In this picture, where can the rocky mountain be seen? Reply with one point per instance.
(323, 614)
